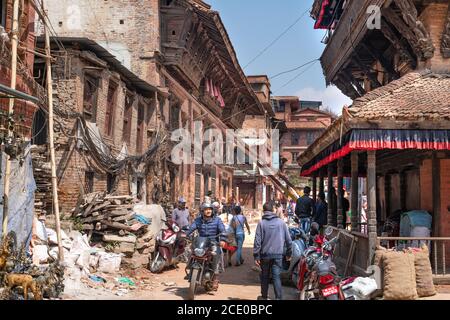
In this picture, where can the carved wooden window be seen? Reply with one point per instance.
(174, 117)
(140, 128)
(90, 94)
(89, 181)
(110, 108)
(127, 117)
(294, 157)
(310, 137)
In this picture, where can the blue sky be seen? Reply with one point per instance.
(253, 24)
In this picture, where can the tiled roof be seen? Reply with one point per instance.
(306, 125)
(416, 96)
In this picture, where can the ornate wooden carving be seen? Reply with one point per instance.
(344, 84)
(348, 76)
(445, 45)
(410, 16)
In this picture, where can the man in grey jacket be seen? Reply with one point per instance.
(272, 235)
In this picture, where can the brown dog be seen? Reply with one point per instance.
(26, 282)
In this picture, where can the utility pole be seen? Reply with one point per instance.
(14, 45)
(50, 135)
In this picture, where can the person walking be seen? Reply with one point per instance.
(272, 236)
(231, 246)
(237, 223)
(304, 209)
(321, 214)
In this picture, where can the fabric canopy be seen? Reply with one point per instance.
(370, 139)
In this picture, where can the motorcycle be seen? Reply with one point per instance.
(318, 278)
(171, 247)
(199, 270)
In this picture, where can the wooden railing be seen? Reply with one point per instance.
(439, 252)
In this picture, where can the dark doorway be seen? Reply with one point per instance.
(40, 129)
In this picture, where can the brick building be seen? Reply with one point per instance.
(396, 133)
(305, 123)
(23, 110)
(181, 48)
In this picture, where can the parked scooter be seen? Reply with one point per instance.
(318, 278)
(290, 268)
(171, 247)
(199, 269)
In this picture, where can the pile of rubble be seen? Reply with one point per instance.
(119, 225)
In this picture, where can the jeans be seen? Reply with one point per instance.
(305, 224)
(273, 266)
(240, 237)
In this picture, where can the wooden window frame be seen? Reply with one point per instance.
(93, 101)
(127, 118)
(111, 106)
(140, 127)
(89, 177)
(3, 13)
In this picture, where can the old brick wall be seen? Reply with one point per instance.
(129, 28)
(74, 163)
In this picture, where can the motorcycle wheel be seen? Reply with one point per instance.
(307, 292)
(157, 264)
(193, 284)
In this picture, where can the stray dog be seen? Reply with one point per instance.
(26, 282)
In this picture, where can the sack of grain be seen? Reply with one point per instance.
(424, 273)
(399, 276)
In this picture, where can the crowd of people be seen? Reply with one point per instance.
(225, 222)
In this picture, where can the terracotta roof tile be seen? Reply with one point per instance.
(415, 96)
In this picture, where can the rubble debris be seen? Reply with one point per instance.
(42, 177)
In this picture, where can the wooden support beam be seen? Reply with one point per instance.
(385, 63)
(340, 194)
(372, 202)
(314, 188)
(367, 71)
(345, 86)
(321, 181)
(329, 196)
(436, 191)
(403, 29)
(403, 188)
(354, 190)
(445, 44)
(353, 83)
(390, 35)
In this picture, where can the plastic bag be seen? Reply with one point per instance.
(109, 262)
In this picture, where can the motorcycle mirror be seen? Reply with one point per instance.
(328, 231)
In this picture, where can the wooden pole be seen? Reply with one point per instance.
(14, 45)
(329, 196)
(314, 188)
(354, 191)
(321, 182)
(340, 194)
(51, 142)
(372, 202)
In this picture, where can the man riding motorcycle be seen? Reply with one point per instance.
(210, 226)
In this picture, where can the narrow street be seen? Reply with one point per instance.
(236, 283)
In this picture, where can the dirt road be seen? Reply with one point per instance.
(236, 283)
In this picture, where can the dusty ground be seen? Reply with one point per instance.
(236, 283)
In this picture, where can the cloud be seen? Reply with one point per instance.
(331, 97)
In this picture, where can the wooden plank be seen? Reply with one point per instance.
(117, 225)
(101, 206)
(117, 213)
(94, 219)
(114, 238)
(123, 218)
(90, 206)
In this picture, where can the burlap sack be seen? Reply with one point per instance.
(378, 261)
(399, 276)
(424, 273)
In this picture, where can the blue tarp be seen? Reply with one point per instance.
(21, 197)
(412, 219)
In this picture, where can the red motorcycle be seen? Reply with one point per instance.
(318, 278)
(171, 248)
